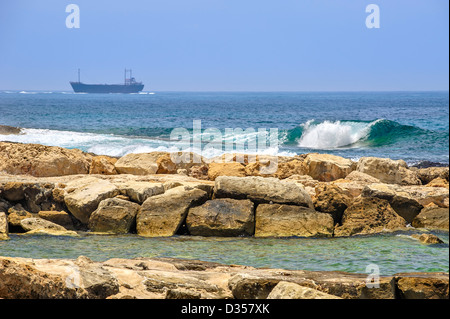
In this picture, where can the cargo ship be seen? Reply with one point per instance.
(130, 86)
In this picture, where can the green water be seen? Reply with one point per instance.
(393, 253)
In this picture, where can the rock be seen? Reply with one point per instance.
(262, 190)
(388, 171)
(9, 130)
(250, 287)
(83, 196)
(426, 175)
(331, 199)
(3, 226)
(274, 220)
(162, 215)
(13, 191)
(438, 182)
(166, 165)
(114, 215)
(34, 223)
(432, 218)
(422, 285)
(369, 215)
(139, 191)
(327, 167)
(305, 180)
(4, 206)
(60, 218)
(357, 176)
(402, 202)
(15, 215)
(52, 232)
(139, 164)
(199, 172)
(222, 217)
(103, 165)
(428, 238)
(290, 290)
(225, 169)
(182, 294)
(182, 171)
(40, 160)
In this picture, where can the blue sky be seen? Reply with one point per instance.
(227, 45)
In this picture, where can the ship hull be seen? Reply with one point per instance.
(106, 88)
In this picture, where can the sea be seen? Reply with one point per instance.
(413, 126)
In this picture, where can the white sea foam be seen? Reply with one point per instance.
(114, 145)
(330, 135)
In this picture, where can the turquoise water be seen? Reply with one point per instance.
(393, 253)
(413, 126)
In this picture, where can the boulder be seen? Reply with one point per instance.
(369, 215)
(60, 218)
(305, 180)
(275, 220)
(438, 182)
(103, 165)
(432, 218)
(9, 130)
(331, 199)
(41, 161)
(327, 167)
(83, 196)
(162, 215)
(3, 226)
(427, 238)
(34, 196)
(363, 178)
(422, 285)
(4, 206)
(262, 190)
(51, 232)
(225, 169)
(222, 217)
(290, 290)
(114, 215)
(34, 223)
(139, 191)
(199, 172)
(388, 170)
(401, 201)
(15, 215)
(426, 175)
(139, 164)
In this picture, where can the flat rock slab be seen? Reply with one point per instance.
(114, 215)
(222, 217)
(275, 220)
(262, 190)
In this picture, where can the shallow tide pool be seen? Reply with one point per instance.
(392, 253)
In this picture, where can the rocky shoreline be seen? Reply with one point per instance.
(57, 191)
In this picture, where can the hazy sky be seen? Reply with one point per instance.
(227, 45)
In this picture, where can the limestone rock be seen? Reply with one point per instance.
(422, 285)
(139, 191)
(9, 130)
(432, 218)
(52, 232)
(428, 238)
(83, 196)
(225, 169)
(401, 201)
(264, 190)
(40, 160)
(222, 217)
(369, 215)
(388, 170)
(3, 226)
(426, 175)
(327, 167)
(15, 215)
(60, 218)
(199, 172)
(305, 180)
(162, 215)
(275, 220)
(139, 164)
(103, 165)
(357, 176)
(438, 182)
(113, 215)
(290, 290)
(34, 223)
(331, 199)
